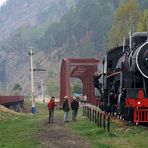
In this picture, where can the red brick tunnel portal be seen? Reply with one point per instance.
(82, 69)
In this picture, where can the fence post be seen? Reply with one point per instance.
(83, 111)
(87, 111)
(108, 123)
(90, 114)
(100, 120)
(95, 116)
(104, 118)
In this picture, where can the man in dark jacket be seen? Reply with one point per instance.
(51, 105)
(66, 108)
(74, 107)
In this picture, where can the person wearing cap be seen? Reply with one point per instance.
(66, 108)
(51, 105)
(74, 107)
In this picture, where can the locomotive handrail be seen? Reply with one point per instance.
(113, 74)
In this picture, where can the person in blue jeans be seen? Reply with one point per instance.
(66, 108)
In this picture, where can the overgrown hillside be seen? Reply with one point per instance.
(23, 23)
(58, 29)
(16, 13)
(82, 32)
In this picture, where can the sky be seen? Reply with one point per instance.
(1, 2)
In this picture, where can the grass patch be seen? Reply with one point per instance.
(121, 135)
(19, 131)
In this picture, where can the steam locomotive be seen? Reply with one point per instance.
(124, 86)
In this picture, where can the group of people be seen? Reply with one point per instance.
(74, 107)
(117, 102)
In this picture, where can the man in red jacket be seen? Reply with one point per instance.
(51, 106)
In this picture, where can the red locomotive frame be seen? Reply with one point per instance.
(140, 107)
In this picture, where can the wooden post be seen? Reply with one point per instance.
(95, 116)
(108, 123)
(90, 114)
(104, 121)
(100, 120)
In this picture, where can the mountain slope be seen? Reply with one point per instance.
(58, 29)
(20, 23)
(18, 13)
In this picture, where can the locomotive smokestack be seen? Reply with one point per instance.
(130, 39)
(147, 27)
(123, 44)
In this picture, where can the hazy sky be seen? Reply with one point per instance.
(1, 2)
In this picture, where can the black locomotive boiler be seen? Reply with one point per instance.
(124, 85)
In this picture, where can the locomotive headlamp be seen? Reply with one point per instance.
(139, 102)
(146, 61)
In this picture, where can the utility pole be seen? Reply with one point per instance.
(31, 53)
(42, 83)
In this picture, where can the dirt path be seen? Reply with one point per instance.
(56, 135)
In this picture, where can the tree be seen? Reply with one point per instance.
(52, 87)
(126, 18)
(142, 25)
(77, 88)
(17, 89)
